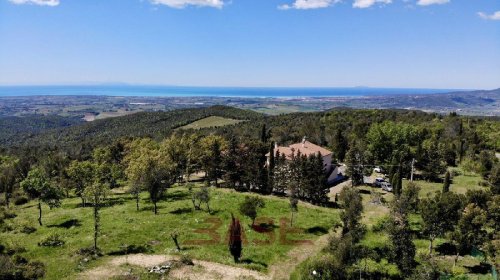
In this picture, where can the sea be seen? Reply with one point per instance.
(184, 91)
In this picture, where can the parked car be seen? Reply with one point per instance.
(386, 186)
(378, 169)
(378, 182)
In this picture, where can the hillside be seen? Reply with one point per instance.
(145, 124)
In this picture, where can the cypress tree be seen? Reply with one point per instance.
(270, 169)
(447, 182)
(235, 244)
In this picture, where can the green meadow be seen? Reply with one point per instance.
(123, 225)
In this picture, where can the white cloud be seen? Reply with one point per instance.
(432, 2)
(179, 4)
(361, 4)
(308, 4)
(494, 16)
(51, 3)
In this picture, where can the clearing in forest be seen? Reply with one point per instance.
(212, 121)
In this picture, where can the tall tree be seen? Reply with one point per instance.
(471, 231)
(271, 164)
(447, 182)
(37, 185)
(211, 157)
(235, 239)
(339, 145)
(355, 160)
(96, 194)
(402, 247)
(232, 164)
(353, 208)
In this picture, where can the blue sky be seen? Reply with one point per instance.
(292, 43)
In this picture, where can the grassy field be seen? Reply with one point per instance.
(123, 225)
(212, 121)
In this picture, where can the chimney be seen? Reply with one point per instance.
(275, 145)
(303, 141)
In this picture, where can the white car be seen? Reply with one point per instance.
(386, 186)
(377, 169)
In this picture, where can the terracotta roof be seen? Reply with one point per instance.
(306, 148)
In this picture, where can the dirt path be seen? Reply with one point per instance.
(205, 269)
(200, 270)
(297, 255)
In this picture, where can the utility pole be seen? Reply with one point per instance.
(412, 168)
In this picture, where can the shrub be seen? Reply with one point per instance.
(27, 229)
(53, 240)
(325, 268)
(381, 225)
(186, 259)
(34, 270)
(89, 252)
(6, 214)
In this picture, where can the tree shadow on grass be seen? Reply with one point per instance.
(182, 210)
(131, 249)
(150, 208)
(110, 202)
(482, 268)
(263, 227)
(250, 261)
(318, 230)
(446, 248)
(361, 191)
(177, 195)
(68, 224)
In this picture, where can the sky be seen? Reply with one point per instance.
(452, 44)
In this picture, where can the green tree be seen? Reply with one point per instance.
(353, 208)
(232, 164)
(203, 196)
(211, 157)
(152, 168)
(494, 179)
(431, 163)
(440, 214)
(339, 145)
(37, 185)
(250, 206)
(355, 160)
(402, 247)
(96, 194)
(471, 231)
(494, 213)
(81, 174)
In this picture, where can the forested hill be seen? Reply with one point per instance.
(14, 129)
(39, 131)
(325, 128)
